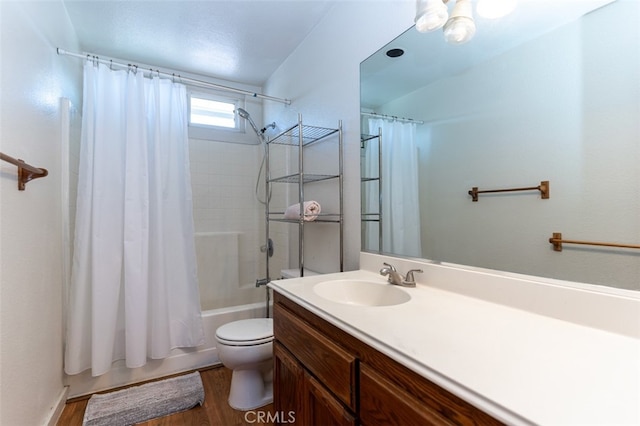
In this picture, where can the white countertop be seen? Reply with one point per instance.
(517, 365)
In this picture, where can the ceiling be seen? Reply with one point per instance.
(236, 40)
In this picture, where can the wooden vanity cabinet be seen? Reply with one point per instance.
(327, 377)
(300, 398)
(313, 377)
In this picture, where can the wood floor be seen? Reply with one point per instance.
(214, 411)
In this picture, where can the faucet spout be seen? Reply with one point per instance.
(394, 277)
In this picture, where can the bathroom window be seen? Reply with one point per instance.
(213, 117)
(211, 111)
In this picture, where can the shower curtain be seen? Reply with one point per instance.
(400, 194)
(134, 292)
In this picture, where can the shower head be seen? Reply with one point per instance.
(243, 113)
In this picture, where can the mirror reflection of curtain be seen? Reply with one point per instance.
(401, 209)
(134, 291)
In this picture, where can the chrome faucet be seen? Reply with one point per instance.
(396, 278)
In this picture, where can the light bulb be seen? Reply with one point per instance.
(460, 28)
(430, 15)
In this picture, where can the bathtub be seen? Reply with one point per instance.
(179, 360)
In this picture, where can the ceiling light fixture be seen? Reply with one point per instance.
(430, 15)
(460, 28)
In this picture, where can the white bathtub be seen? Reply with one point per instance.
(180, 359)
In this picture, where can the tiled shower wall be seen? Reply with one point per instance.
(223, 178)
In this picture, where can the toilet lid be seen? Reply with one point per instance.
(249, 331)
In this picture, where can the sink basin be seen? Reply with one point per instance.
(361, 293)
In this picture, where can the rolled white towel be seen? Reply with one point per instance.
(311, 211)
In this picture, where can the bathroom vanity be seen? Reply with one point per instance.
(463, 348)
(326, 376)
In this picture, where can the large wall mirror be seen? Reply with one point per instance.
(551, 93)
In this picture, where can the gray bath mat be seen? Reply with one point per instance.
(149, 401)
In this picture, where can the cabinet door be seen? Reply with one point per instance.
(383, 403)
(322, 408)
(288, 386)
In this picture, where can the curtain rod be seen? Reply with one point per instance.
(26, 172)
(392, 117)
(189, 81)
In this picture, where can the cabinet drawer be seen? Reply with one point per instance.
(331, 364)
(384, 403)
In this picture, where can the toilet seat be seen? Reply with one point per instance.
(248, 332)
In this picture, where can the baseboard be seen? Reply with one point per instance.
(56, 410)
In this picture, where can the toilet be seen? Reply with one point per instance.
(246, 347)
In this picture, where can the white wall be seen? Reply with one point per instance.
(322, 77)
(33, 80)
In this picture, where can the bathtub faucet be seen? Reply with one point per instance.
(262, 281)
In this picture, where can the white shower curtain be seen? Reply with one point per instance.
(400, 193)
(134, 292)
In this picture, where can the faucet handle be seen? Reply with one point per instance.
(391, 267)
(409, 279)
